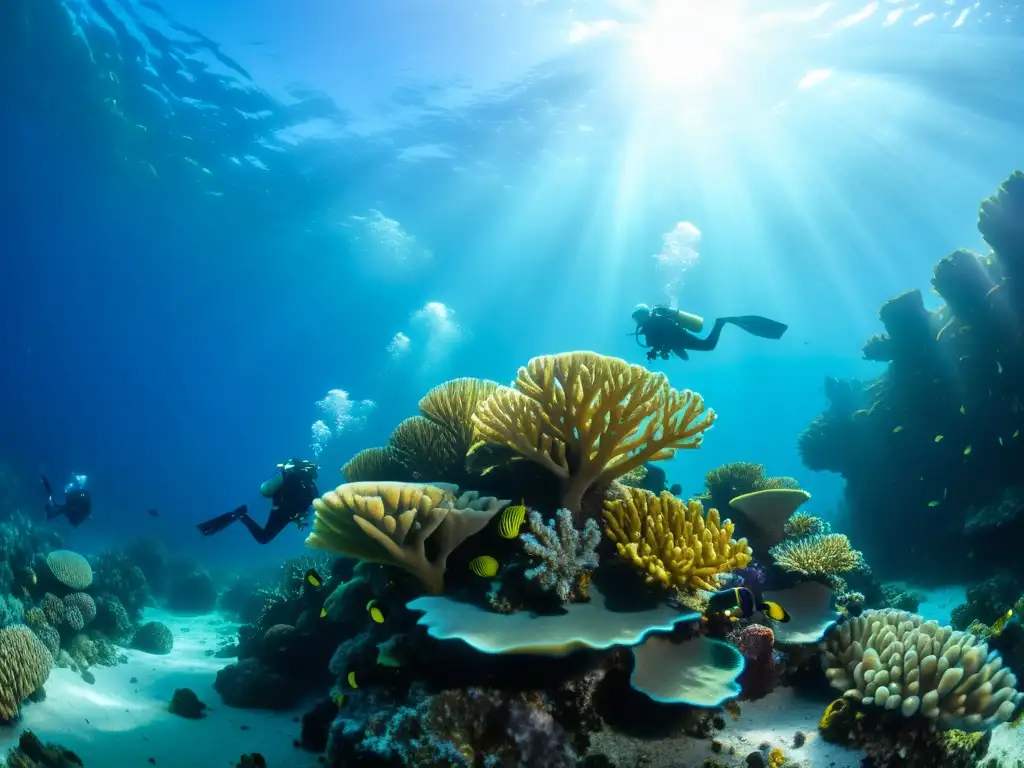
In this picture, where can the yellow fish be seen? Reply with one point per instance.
(1016, 433)
(933, 503)
(512, 520)
(375, 613)
(351, 677)
(485, 566)
(998, 624)
(938, 438)
(339, 699)
(313, 578)
(962, 410)
(897, 430)
(323, 612)
(967, 451)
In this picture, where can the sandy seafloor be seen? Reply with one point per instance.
(116, 723)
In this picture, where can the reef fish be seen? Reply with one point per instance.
(738, 603)
(485, 566)
(351, 678)
(375, 612)
(339, 699)
(512, 520)
(998, 624)
(312, 578)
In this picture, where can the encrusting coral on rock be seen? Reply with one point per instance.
(590, 419)
(673, 542)
(25, 665)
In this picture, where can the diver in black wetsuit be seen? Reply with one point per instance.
(668, 331)
(77, 504)
(292, 490)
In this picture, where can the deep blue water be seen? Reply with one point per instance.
(188, 189)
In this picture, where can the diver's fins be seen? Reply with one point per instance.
(758, 326)
(218, 524)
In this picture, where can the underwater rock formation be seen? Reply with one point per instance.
(32, 753)
(937, 436)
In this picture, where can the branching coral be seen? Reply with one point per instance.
(390, 522)
(819, 555)
(565, 553)
(451, 405)
(590, 419)
(672, 541)
(802, 524)
(724, 483)
(899, 661)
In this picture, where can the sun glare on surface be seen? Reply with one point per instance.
(688, 44)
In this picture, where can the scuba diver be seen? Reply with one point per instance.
(77, 504)
(670, 331)
(292, 490)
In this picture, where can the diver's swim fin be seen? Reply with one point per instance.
(218, 524)
(758, 326)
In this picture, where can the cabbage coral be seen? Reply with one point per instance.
(673, 541)
(590, 419)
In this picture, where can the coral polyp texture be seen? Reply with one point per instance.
(25, 664)
(675, 543)
(390, 523)
(565, 554)
(70, 568)
(898, 661)
(590, 419)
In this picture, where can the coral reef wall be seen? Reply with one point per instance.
(932, 450)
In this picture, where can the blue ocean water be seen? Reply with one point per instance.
(223, 223)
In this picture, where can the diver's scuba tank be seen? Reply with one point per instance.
(685, 320)
(273, 484)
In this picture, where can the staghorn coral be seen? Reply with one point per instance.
(25, 665)
(590, 419)
(373, 465)
(70, 568)
(673, 542)
(390, 522)
(818, 555)
(802, 524)
(565, 553)
(424, 449)
(899, 661)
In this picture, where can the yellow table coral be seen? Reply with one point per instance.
(590, 419)
(672, 541)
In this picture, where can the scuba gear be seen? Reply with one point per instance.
(670, 331)
(292, 489)
(77, 504)
(218, 524)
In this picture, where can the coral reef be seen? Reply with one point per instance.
(32, 753)
(154, 637)
(937, 436)
(185, 703)
(673, 542)
(192, 592)
(822, 554)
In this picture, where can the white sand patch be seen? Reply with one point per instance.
(774, 720)
(117, 723)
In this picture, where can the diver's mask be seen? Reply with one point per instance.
(641, 312)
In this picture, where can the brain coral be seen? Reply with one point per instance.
(153, 637)
(899, 661)
(24, 666)
(70, 568)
